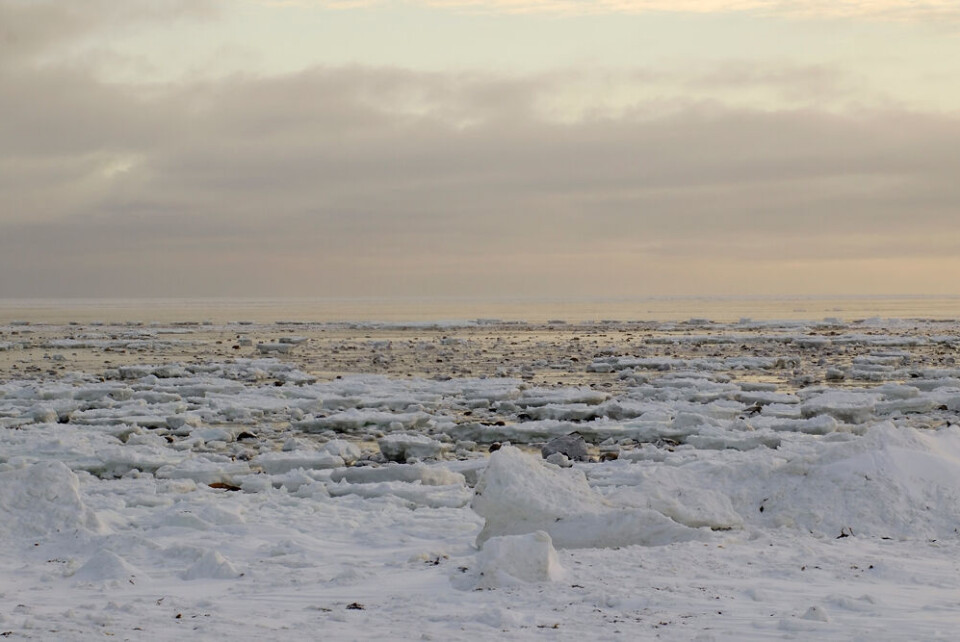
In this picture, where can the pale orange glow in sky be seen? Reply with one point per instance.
(461, 148)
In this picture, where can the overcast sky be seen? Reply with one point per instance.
(508, 148)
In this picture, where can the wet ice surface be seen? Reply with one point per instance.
(743, 481)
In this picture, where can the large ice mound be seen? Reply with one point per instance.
(893, 482)
(519, 494)
(43, 499)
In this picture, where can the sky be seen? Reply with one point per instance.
(459, 148)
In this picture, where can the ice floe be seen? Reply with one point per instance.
(802, 478)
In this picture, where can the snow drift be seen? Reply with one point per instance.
(519, 494)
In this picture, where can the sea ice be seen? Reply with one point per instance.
(247, 496)
(401, 447)
(509, 560)
(518, 494)
(43, 499)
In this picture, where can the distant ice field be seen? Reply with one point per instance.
(266, 310)
(743, 480)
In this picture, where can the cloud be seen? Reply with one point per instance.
(29, 28)
(373, 181)
(931, 10)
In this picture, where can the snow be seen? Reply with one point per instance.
(518, 494)
(212, 498)
(42, 498)
(211, 565)
(107, 566)
(511, 559)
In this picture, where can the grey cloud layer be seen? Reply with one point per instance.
(879, 9)
(375, 181)
(32, 27)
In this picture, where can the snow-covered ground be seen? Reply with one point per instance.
(750, 481)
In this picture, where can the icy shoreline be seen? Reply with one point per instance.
(758, 479)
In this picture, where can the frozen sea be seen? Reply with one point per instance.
(346, 470)
(266, 310)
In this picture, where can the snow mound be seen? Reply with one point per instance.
(43, 499)
(515, 559)
(518, 494)
(894, 482)
(697, 508)
(104, 566)
(212, 565)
